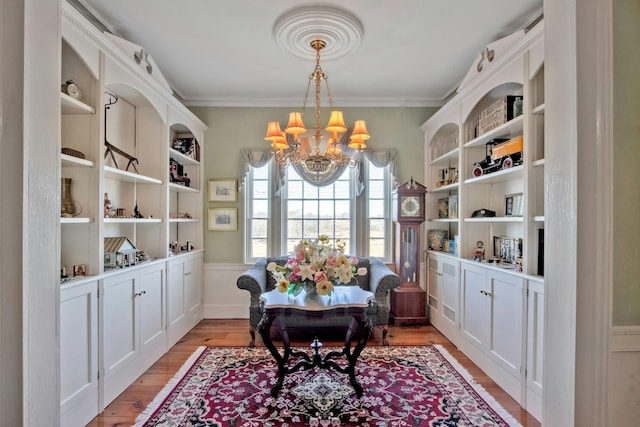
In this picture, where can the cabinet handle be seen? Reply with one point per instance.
(483, 292)
(487, 293)
(137, 294)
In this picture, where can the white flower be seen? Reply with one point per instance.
(306, 272)
(271, 266)
(344, 273)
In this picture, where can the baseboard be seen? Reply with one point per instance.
(225, 311)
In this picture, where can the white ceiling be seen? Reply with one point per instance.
(222, 52)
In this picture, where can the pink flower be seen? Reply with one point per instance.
(320, 276)
(354, 260)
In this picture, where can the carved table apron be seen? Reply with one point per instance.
(345, 301)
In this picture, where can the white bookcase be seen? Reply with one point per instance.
(469, 307)
(114, 321)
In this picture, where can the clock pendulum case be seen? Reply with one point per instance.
(408, 301)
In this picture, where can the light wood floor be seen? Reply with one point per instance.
(223, 332)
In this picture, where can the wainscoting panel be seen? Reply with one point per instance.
(222, 298)
(623, 407)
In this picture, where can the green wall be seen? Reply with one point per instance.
(235, 128)
(626, 110)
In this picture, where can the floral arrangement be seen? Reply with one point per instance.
(315, 266)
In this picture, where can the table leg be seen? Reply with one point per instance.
(264, 328)
(362, 324)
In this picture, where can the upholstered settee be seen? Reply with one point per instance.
(379, 280)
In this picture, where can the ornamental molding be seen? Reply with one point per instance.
(294, 31)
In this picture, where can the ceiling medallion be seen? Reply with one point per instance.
(296, 29)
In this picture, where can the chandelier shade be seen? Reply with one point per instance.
(300, 152)
(276, 136)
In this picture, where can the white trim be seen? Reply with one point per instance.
(603, 62)
(295, 102)
(625, 338)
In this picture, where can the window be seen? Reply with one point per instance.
(310, 211)
(257, 212)
(274, 225)
(378, 227)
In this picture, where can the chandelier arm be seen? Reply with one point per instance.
(306, 95)
(326, 82)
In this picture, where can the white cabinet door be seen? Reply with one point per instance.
(444, 291)
(505, 292)
(79, 354)
(449, 296)
(433, 303)
(119, 332)
(474, 305)
(150, 296)
(119, 328)
(535, 329)
(194, 289)
(176, 300)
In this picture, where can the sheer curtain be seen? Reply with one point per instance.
(252, 158)
(258, 158)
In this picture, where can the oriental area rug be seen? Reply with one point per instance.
(403, 386)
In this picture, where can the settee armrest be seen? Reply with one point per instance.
(254, 280)
(381, 279)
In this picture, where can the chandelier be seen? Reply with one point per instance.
(301, 152)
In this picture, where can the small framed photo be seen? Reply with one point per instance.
(223, 190)
(453, 206)
(513, 204)
(223, 219)
(436, 239)
(79, 270)
(443, 208)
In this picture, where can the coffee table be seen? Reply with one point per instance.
(345, 301)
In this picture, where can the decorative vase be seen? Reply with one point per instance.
(67, 206)
(312, 290)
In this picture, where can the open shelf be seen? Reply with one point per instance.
(181, 158)
(443, 220)
(499, 176)
(496, 219)
(184, 220)
(76, 220)
(447, 158)
(125, 176)
(182, 189)
(132, 220)
(71, 161)
(445, 188)
(538, 109)
(507, 130)
(73, 106)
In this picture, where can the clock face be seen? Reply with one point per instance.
(410, 206)
(74, 91)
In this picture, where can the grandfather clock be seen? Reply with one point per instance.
(408, 301)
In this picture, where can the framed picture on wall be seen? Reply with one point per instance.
(223, 190)
(223, 219)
